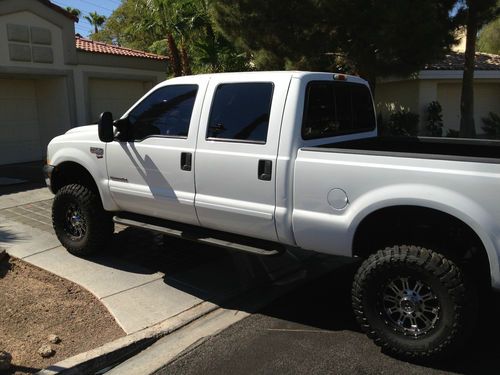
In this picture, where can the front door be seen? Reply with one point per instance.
(236, 154)
(151, 171)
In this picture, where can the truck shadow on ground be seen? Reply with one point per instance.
(215, 275)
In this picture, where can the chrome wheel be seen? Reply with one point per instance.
(75, 224)
(410, 306)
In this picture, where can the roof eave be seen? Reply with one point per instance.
(59, 9)
(457, 74)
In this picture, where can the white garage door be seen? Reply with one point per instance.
(19, 125)
(115, 96)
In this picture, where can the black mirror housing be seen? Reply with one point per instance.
(105, 127)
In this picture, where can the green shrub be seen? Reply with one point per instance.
(402, 123)
(434, 119)
(492, 125)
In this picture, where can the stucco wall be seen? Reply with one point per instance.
(394, 96)
(415, 95)
(486, 99)
(30, 20)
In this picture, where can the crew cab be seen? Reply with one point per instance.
(262, 161)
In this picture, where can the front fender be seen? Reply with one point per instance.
(95, 166)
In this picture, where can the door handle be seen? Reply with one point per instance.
(186, 160)
(265, 170)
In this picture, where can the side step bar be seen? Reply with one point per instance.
(201, 235)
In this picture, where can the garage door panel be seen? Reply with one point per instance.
(18, 131)
(18, 110)
(18, 152)
(115, 96)
(19, 124)
(17, 88)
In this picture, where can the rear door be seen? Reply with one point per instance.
(237, 151)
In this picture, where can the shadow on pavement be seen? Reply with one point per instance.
(29, 176)
(7, 236)
(209, 273)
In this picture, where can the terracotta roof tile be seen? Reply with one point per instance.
(455, 61)
(88, 45)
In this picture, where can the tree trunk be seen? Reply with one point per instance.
(467, 125)
(175, 60)
(186, 65)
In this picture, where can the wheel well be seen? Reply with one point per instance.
(426, 227)
(72, 173)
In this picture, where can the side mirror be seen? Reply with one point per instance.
(105, 127)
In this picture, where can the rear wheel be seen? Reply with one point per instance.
(79, 220)
(412, 302)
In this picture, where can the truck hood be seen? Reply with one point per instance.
(81, 129)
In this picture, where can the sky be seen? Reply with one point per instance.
(104, 7)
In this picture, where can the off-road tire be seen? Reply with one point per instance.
(442, 276)
(99, 225)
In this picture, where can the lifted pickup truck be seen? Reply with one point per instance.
(266, 160)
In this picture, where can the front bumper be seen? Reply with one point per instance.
(47, 174)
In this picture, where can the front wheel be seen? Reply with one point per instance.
(412, 302)
(79, 220)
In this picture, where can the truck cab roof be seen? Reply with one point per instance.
(266, 75)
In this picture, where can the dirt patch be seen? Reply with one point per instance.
(35, 304)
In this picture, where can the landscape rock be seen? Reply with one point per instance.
(3, 254)
(54, 339)
(5, 359)
(46, 351)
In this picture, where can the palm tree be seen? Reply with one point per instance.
(75, 12)
(163, 15)
(95, 20)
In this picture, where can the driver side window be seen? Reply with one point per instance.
(165, 112)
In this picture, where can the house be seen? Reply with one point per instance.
(51, 80)
(442, 82)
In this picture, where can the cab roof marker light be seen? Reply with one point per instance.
(339, 77)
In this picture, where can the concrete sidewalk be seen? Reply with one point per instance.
(143, 278)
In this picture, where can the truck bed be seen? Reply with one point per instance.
(420, 147)
(370, 174)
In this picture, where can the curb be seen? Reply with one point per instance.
(124, 347)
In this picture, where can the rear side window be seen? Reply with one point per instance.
(240, 112)
(165, 112)
(336, 108)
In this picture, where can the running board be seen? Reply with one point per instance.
(201, 235)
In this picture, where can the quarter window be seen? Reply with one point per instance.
(336, 108)
(240, 112)
(165, 112)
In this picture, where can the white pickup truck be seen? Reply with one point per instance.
(262, 161)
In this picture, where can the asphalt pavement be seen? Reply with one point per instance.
(312, 331)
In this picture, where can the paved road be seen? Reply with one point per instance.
(312, 331)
